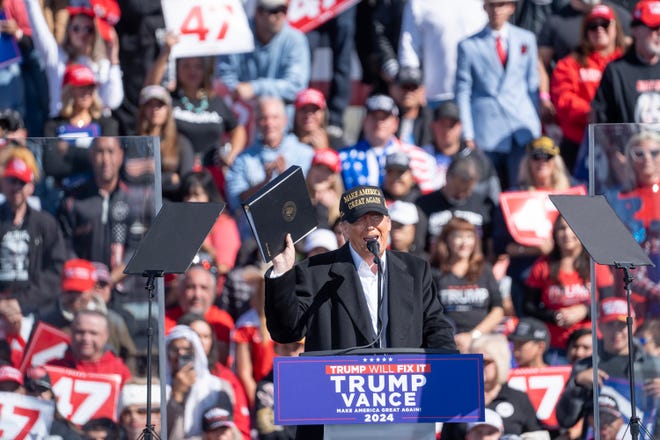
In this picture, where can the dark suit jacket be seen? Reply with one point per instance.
(321, 299)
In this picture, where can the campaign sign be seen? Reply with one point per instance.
(411, 388)
(529, 215)
(306, 15)
(23, 417)
(9, 52)
(207, 27)
(47, 343)
(83, 396)
(544, 387)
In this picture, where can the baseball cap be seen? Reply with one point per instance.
(10, 374)
(361, 200)
(327, 157)
(78, 275)
(107, 13)
(404, 213)
(136, 394)
(218, 417)
(320, 238)
(530, 329)
(646, 12)
(409, 76)
(78, 75)
(397, 160)
(155, 92)
(310, 97)
(272, 4)
(491, 418)
(37, 377)
(603, 12)
(607, 404)
(18, 169)
(102, 272)
(383, 103)
(447, 109)
(614, 309)
(543, 144)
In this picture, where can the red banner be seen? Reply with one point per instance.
(83, 396)
(24, 417)
(544, 387)
(307, 15)
(47, 343)
(529, 215)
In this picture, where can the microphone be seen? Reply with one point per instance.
(374, 248)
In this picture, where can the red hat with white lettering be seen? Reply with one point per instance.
(78, 275)
(10, 374)
(18, 169)
(614, 309)
(327, 157)
(310, 97)
(647, 12)
(603, 12)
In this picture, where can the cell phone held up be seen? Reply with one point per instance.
(185, 359)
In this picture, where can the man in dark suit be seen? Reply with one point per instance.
(332, 299)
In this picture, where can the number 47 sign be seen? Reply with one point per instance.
(207, 27)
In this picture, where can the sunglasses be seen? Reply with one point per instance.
(639, 154)
(82, 29)
(598, 24)
(272, 11)
(540, 156)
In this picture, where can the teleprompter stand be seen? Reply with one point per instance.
(610, 243)
(169, 246)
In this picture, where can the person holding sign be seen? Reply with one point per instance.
(332, 300)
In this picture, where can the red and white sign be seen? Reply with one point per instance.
(529, 215)
(306, 15)
(47, 343)
(544, 387)
(83, 396)
(23, 417)
(207, 27)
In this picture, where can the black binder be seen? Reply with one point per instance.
(282, 206)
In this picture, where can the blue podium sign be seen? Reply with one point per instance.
(378, 389)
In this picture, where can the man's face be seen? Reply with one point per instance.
(527, 352)
(223, 433)
(75, 301)
(398, 182)
(499, 13)
(647, 40)
(271, 121)
(379, 126)
(198, 291)
(106, 157)
(615, 337)
(368, 227)
(402, 236)
(16, 191)
(580, 349)
(407, 96)
(176, 349)
(133, 419)
(446, 134)
(269, 22)
(457, 190)
(11, 386)
(89, 334)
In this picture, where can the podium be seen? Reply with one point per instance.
(379, 393)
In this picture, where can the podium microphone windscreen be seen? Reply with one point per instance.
(374, 247)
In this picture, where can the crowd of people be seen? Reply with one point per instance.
(466, 106)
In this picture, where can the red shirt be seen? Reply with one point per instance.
(573, 87)
(568, 290)
(221, 321)
(108, 364)
(262, 353)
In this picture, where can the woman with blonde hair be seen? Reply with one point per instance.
(176, 154)
(465, 282)
(512, 405)
(542, 167)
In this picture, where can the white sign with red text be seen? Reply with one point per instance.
(23, 417)
(47, 343)
(544, 387)
(83, 396)
(306, 15)
(207, 27)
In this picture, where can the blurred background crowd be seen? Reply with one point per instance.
(463, 112)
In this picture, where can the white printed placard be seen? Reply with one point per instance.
(84, 396)
(207, 27)
(24, 417)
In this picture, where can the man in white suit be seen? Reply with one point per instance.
(497, 84)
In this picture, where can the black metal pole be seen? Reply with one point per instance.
(634, 420)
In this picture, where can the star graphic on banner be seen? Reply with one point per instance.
(390, 359)
(371, 359)
(364, 359)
